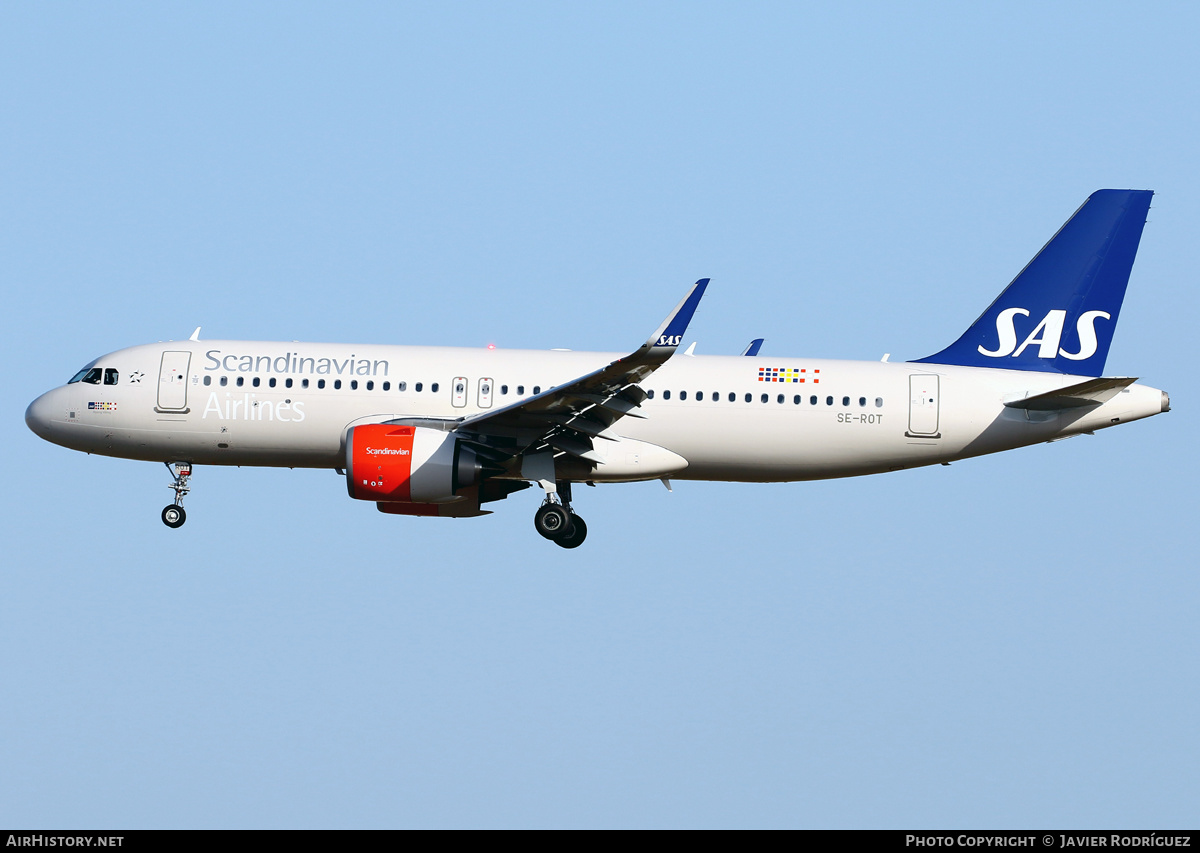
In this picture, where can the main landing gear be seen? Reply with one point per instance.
(173, 514)
(557, 522)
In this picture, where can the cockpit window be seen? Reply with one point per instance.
(78, 376)
(110, 376)
(91, 376)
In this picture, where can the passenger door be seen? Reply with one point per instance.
(923, 405)
(172, 381)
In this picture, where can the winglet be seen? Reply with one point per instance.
(669, 335)
(753, 347)
(195, 335)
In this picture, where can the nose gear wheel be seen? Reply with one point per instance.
(173, 515)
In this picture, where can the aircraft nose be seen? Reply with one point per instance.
(39, 415)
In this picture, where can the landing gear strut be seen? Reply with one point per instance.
(173, 514)
(556, 521)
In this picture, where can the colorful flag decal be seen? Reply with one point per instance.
(788, 374)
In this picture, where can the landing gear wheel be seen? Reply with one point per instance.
(173, 516)
(552, 521)
(575, 534)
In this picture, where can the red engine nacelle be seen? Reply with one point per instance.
(409, 465)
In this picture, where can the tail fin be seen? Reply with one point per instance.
(1059, 313)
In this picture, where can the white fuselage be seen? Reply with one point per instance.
(716, 417)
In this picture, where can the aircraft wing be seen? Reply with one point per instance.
(570, 416)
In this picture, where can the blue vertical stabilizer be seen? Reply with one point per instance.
(1059, 313)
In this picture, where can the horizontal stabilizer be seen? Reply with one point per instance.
(1090, 393)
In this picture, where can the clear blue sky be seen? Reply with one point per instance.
(1008, 642)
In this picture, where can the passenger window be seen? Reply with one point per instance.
(303, 383)
(765, 398)
(208, 380)
(812, 401)
(797, 399)
(402, 386)
(828, 401)
(732, 397)
(649, 395)
(287, 383)
(537, 389)
(503, 389)
(110, 376)
(748, 398)
(387, 386)
(879, 402)
(683, 395)
(779, 399)
(370, 385)
(419, 386)
(433, 388)
(337, 385)
(320, 383)
(224, 381)
(716, 397)
(271, 381)
(520, 390)
(845, 401)
(241, 380)
(257, 382)
(699, 396)
(666, 395)
(862, 401)
(353, 384)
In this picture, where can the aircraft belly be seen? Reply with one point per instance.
(774, 445)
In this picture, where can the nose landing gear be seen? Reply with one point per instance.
(173, 515)
(557, 522)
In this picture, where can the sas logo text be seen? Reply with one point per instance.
(1050, 331)
(669, 340)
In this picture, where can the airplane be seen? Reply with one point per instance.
(443, 431)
